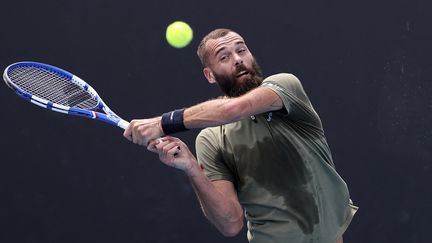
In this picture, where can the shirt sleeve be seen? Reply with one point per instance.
(295, 100)
(210, 157)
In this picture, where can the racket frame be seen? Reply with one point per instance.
(109, 116)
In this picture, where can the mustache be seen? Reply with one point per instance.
(241, 67)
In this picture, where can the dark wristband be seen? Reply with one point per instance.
(172, 122)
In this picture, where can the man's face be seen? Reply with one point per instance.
(232, 65)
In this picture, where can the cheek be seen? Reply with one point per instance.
(248, 60)
(225, 69)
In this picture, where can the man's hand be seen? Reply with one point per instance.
(173, 152)
(142, 131)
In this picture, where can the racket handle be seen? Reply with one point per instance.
(123, 124)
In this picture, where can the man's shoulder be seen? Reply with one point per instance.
(209, 131)
(284, 82)
(208, 139)
(281, 76)
(284, 79)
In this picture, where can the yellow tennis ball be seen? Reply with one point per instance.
(179, 34)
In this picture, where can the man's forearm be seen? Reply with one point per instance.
(225, 110)
(213, 113)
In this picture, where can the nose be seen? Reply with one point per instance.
(238, 59)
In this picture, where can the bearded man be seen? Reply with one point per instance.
(262, 155)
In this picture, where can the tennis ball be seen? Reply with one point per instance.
(179, 34)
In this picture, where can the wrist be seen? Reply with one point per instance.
(172, 122)
(159, 126)
(193, 170)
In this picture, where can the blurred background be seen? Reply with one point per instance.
(366, 66)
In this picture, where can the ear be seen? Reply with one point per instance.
(209, 75)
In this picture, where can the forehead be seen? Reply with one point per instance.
(231, 39)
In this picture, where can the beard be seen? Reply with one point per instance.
(232, 86)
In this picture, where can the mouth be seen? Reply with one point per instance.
(242, 73)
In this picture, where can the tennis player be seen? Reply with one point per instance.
(262, 156)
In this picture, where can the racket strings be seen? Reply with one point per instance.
(41, 83)
(31, 81)
(52, 86)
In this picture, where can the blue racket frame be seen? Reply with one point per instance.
(109, 116)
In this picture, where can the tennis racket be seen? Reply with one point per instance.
(58, 90)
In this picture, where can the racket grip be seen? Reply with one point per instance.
(123, 124)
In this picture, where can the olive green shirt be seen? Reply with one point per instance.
(282, 170)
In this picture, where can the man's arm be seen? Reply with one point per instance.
(218, 199)
(210, 113)
(221, 111)
(219, 203)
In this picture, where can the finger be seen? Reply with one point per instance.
(127, 132)
(168, 146)
(161, 142)
(178, 141)
(136, 136)
(151, 146)
(174, 151)
(145, 142)
(157, 140)
(177, 152)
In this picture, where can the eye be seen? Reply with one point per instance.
(241, 50)
(223, 58)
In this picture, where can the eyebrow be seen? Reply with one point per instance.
(239, 42)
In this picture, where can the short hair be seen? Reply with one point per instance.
(202, 51)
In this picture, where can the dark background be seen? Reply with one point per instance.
(366, 66)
